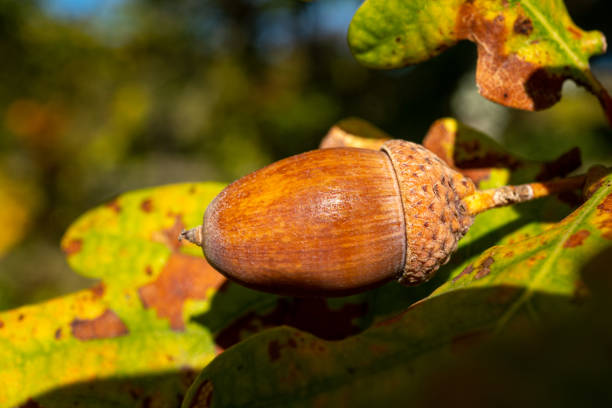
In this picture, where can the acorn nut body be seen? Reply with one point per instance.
(337, 221)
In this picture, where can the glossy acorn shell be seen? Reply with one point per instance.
(327, 222)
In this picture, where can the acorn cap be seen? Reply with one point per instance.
(434, 213)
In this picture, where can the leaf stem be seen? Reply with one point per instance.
(498, 197)
(602, 94)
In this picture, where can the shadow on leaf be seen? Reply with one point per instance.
(553, 351)
(163, 390)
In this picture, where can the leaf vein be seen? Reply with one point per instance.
(555, 35)
(550, 260)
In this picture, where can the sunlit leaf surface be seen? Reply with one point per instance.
(526, 48)
(132, 331)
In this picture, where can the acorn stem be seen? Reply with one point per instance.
(484, 200)
(194, 235)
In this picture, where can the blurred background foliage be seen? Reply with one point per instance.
(98, 97)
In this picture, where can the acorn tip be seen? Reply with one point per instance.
(193, 235)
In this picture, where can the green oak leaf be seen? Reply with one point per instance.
(526, 48)
(132, 331)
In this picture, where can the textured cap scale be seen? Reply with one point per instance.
(435, 215)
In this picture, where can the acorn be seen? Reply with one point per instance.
(338, 221)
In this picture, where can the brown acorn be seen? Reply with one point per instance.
(337, 221)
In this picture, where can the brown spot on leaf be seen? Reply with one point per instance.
(183, 277)
(203, 396)
(535, 258)
(147, 205)
(527, 85)
(576, 239)
(58, 333)
(312, 315)
(606, 205)
(485, 268)
(1, 324)
(169, 236)
(604, 217)
(114, 205)
(468, 270)
(275, 347)
(105, 326)
(523, 25)
(73, 247)
(509, 254)
(148, 270)
(98, 290)
(574, 32)
(541, 87)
